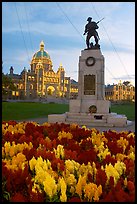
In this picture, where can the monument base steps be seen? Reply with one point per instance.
(93, 120)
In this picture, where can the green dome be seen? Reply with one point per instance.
(41, 53)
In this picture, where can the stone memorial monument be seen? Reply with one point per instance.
(90, 108)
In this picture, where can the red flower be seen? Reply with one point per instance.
(114, 149)
(87, 156)
(5, 171)
(109, 197)
(18, 197)
(108, 160)
(121, 196)
(111, 182)
(45, 154)
(36, 197)
(30, 128)
(16, 180)
(74, 199)
(131, 186)
(57, 164)
(29, 153)
(69, 154)
(90, 178)
(101, 177)
(86, 145)
(130, 169)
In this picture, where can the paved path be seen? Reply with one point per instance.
(130, 127)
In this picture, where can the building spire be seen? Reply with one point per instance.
(42, 46)
(60, 65)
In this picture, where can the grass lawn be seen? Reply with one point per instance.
(126, 109)
(25, 110)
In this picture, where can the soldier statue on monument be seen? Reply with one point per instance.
(90, 29)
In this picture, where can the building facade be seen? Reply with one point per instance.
(120, 92)
(41, 81)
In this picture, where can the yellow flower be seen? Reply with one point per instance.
(10, 128)
(71, 180)
(111, 171)
(46, 124)
(19, 160)
(92, 192)
(83, 170)
(94, 130)
(80, 185)
(131, 135)
(40, 174)
(120, 167)
(104, 153)
(98, 192)
(3, 152)
(39, 161)
(36, 188)
(69, 166)
(131, 156)
(120, 157)
(11, 151)
(63, 197)
(84, 127)
(32, 163)
(63, 134)
(50, 186)
(59, 152)
(89, 191)
(73, 126)
(21, 157)
(72, 190)
(122, 143)
(94, 170)
(47, 139)
(63, 187)
(7, 148)
(132, 149)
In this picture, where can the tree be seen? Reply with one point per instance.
(7, 85)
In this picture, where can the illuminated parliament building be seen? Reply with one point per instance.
(41, 81)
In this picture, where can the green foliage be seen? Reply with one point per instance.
(7, 84)
(5, 194)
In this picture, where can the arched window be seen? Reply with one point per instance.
(31, 86)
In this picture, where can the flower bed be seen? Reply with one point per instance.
(66, 163)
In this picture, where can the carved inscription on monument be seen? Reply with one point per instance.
(89, 84)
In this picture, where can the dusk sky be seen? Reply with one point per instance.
(61, 26)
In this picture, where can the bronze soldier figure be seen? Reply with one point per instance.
(90, 29)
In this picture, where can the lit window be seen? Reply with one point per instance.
(13, 93)
(17, 93)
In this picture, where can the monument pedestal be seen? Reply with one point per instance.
(82, 106)
(90, 108)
